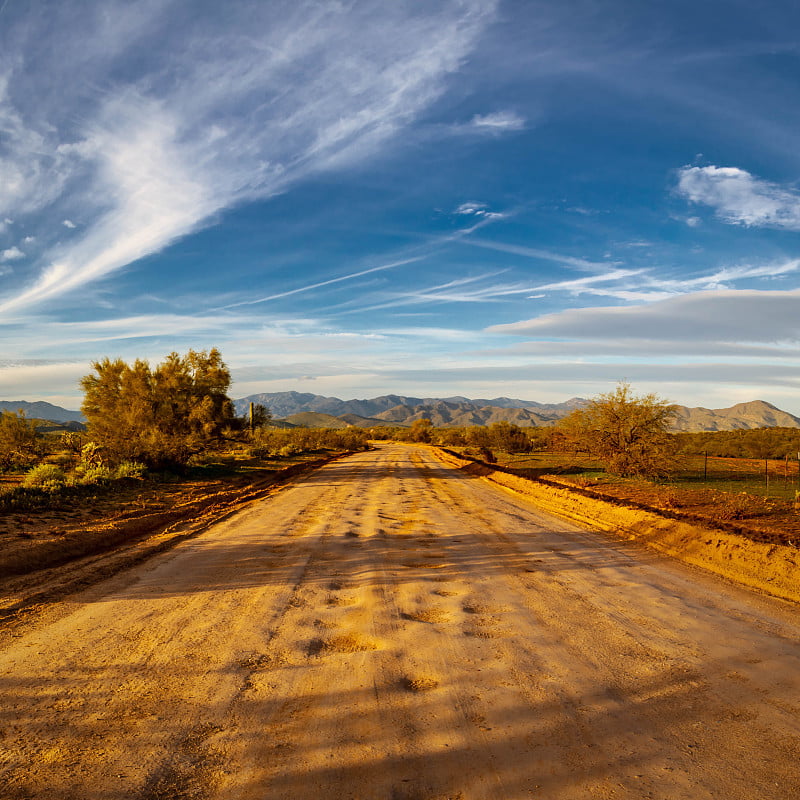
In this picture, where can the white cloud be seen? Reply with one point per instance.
(498, 122)
(29, 240)
(68, 223)
(11, 254)
(478, 210)
(155, 155)
(740, 198)
(471, 208)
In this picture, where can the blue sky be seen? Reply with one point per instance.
(457, 197)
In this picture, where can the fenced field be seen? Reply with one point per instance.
(778, 478)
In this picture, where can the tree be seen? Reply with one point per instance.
(509, 437)
(17, 440)
(160, 416)
(420, 430)
(628, 433)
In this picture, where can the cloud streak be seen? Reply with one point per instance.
(229, 108)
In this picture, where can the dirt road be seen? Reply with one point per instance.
(388, 627)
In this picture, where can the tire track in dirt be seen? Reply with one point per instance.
(390, 628)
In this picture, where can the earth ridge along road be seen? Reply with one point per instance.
(389, 627)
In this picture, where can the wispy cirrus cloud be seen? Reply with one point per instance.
(145, 144)
(498, 122)
(537, 253)
(740, 198)
(647, 285)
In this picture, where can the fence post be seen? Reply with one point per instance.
(705, 467)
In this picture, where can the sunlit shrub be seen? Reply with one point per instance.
(129, 469)
(44, 476)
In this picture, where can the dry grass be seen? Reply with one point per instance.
(420, 682)
(430, 615)
(352, 642)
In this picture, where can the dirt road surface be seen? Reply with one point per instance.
(389, 627)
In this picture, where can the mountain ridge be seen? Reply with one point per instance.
(454, 411)
(457, 411)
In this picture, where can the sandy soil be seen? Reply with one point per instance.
(391, 627)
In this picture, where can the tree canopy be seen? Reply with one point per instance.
(628, 433)
(159, 415)
(17, 440)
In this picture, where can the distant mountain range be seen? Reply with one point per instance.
(42, 410)
(314, 410)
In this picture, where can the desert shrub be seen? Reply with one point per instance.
(478, 436)
(129, 469)
(488, 456)
(291, 441)
(483, 453)
(508, 437)
(451, 437)
(44, 476)
(628, 433)
(740, 506)
(92, 475)
(18, 445)
(159, 416)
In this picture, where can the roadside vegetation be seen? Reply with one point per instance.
(153, 429)
(150, 425)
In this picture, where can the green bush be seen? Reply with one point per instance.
(98, 474)
(44, 476)
(129, 469)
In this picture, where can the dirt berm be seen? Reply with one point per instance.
(770, 568)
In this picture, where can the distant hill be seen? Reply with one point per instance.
(313, 410)
(42, 410)
(311, 419)
(284, 404)
(742, 416)
(458, 411)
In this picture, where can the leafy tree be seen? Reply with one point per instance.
(509, 437)
(628, 433)
(420, 430)
(160, 416)
(17, 440)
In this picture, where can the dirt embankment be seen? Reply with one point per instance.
(769, 567)
(44, 556)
